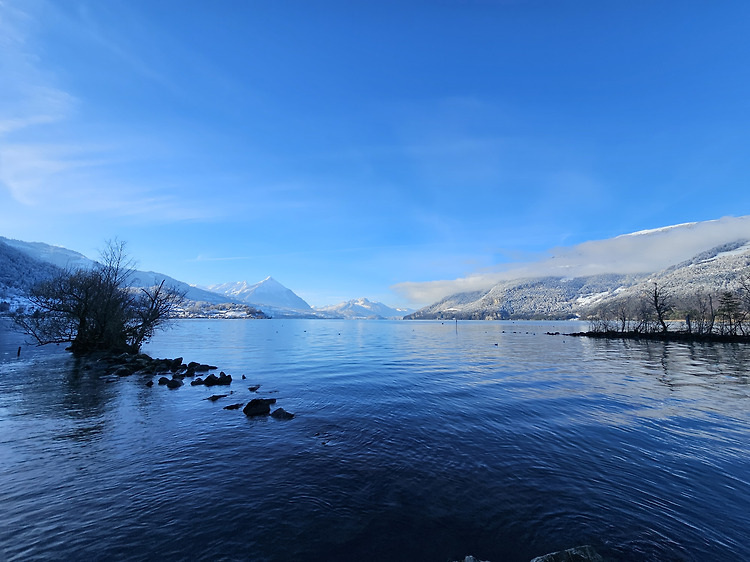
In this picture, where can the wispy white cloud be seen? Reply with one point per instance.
(640, 252)
(50, 161)
(34, 173)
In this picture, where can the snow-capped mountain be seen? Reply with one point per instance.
(19, 272)
(42, 261)
(709, 272)
(55, 255)
(530, 298)
(363, 308)
(269, 295)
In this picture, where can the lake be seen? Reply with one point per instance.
(418, 441)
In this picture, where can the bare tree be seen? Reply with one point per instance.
(98, 309)
(660, 303)
(624, 312)
(730, 313)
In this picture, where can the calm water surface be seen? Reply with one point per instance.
(412, 441)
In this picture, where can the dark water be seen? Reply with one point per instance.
(413, 441)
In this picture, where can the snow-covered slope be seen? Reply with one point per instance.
(531, 298)
(268, 295)
(47, 260)
(192, 293)
(712, 271)
(362, 308)
(19, 272)
(55, 255)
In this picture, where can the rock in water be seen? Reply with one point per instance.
(234, 406)
(281, 414)
(223, 378)
(215, 397)
(578, 554)
(259, 406)
(174, 383)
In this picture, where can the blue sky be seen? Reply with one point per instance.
(347, 147)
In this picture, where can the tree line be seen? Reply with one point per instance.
(659, 310)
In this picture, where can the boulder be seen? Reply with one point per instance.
(196, 382)
(281, 414)
(163, 380)
(175, 364)
(223, 378)
(123, 371)
(253, 388)
(584, 553)
(150, 384)
(174, 383)
(259, 407)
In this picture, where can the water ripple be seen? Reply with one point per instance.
(411, 441)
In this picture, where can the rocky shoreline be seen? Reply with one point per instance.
(172, 373)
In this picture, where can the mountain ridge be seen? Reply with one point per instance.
(24, 264)
(362, 308)
(556, 297)
(268, 295)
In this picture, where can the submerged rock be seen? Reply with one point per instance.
(259, 407)
(234, 406)
(281, 414)
(253, 388)
(584, 553)
(215, 397)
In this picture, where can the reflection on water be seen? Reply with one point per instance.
(413, 440)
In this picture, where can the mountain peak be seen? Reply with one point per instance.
(362, 308)
(266, 293)
(270, 281)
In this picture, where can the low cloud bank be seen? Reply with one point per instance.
(640, 252)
